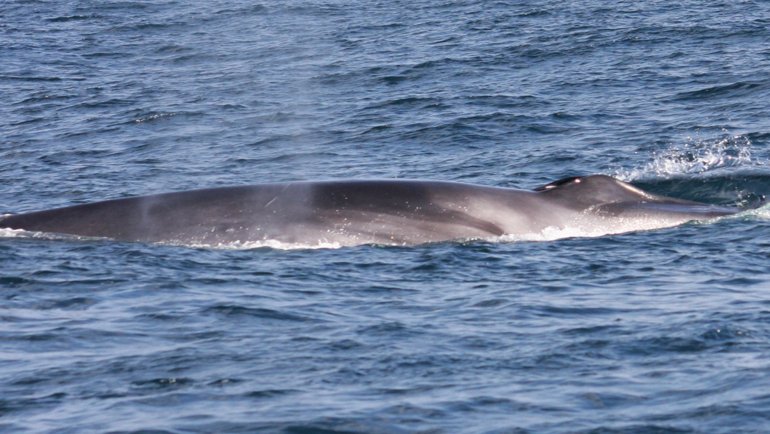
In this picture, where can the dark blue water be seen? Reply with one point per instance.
(658, 331)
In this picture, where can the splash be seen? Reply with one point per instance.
(761, 213)
(695, 156)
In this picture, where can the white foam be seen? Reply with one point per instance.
(21, 233)
(12, 233)
(272, 244)
(762, 213)
(593, 226)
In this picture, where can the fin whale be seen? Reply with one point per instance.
(396, 212)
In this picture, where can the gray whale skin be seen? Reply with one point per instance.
(397, 212)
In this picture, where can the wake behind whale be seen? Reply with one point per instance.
(388, 212)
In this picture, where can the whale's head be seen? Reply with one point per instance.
(606, 195)
(583, 192)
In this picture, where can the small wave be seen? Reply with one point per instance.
(695, 156)
(30, 78)
(230, 310)
(737, 89)
(158, 116)
(68, 18)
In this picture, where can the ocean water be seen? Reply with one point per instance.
(650, 331)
